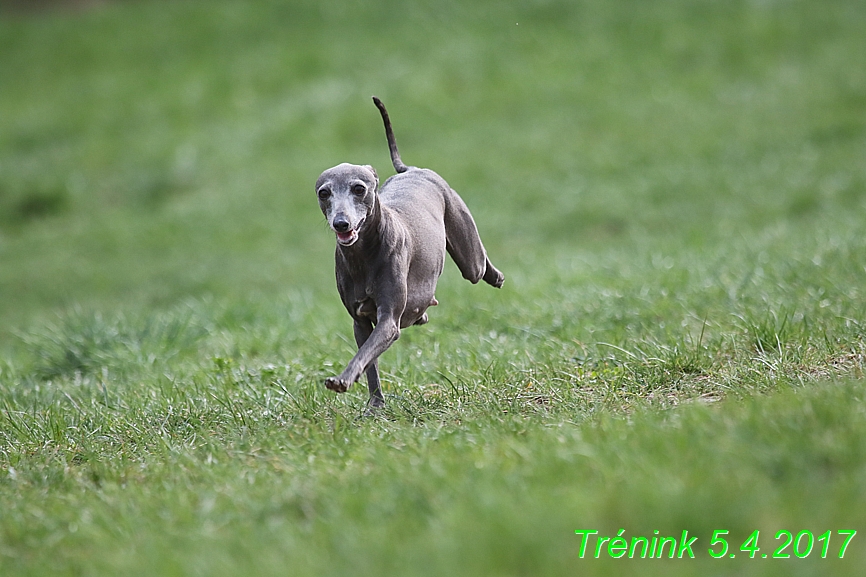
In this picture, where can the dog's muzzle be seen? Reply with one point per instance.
(349, 235)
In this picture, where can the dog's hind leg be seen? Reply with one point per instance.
(464, 243)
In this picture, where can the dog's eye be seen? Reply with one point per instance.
(359, 189)
(324, 194)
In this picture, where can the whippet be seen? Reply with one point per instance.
(391, 244)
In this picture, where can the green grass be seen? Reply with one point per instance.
(675, 190)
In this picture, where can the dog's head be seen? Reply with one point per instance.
(347, 196)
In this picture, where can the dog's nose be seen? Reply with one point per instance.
(341, 223)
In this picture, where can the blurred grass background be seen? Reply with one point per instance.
(675, 190)
(156, 150)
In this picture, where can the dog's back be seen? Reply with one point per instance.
(425, 202)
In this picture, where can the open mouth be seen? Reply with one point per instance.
(347, 238)
(350, 236)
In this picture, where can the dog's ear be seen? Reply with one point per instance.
(375, 175)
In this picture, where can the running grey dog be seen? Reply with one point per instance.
(391, 245)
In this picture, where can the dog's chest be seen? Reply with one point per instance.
(355, 284)
(360, 303)
(365, 308)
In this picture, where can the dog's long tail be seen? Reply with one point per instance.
(392, 143)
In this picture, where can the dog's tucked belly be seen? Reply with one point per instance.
(415, 314)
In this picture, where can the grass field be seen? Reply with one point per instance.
(675, 190)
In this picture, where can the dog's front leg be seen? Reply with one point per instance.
(383, 336)
(390, 298)
(363, 330)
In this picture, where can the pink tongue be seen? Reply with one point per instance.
(344, 235)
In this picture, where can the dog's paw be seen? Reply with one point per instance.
(493, 277)
(375, 407)
(337, 384)
(373, 411)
